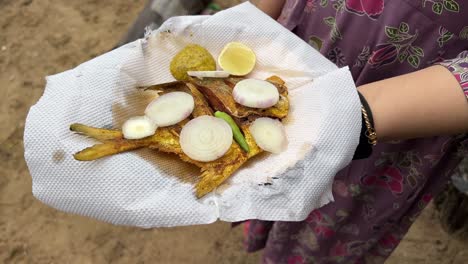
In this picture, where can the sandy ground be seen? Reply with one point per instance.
(40, 38)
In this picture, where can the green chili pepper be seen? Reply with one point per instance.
(240, 139)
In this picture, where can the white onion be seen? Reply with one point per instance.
(255, 93)
(138, 127)
(208, 74)
(171, 108)
(206, 138)
(269, 134)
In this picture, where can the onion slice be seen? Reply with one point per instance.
(171, 108)
(206, 138)
(255, 93)
(208, 74)
(138, 127)
(269, 134)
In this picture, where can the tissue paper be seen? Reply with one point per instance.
(146, 188)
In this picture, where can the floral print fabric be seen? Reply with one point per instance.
(459, 68)
(376, 199)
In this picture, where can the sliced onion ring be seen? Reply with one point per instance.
(138, 127)
(255, 93)
(206, 138)
(171, 108)
(269, 134)
(208, 74)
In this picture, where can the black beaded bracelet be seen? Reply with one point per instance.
(364, 149)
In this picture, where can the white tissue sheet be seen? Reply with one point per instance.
(144, 187)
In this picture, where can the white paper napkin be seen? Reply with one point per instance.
(144, 187)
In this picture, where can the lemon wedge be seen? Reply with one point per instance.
(237, 59)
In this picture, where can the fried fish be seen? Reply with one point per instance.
(219, 94)
(209, 95)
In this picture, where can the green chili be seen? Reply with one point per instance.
(238, 136)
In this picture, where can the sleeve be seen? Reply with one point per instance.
(459, 68)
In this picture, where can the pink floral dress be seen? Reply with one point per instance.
(376, 199)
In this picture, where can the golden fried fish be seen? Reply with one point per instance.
(219, 93)
(166, 139)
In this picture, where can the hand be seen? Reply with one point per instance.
(425, 103)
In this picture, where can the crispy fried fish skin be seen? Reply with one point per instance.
(201, 105)
(110, 148)
(216, 172)
(165, 139)
(113, 142)
(96, 133)
(219, 94)
(162, 86)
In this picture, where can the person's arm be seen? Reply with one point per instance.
(271, 7)
(425, 103)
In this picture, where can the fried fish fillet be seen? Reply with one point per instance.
(166, 139)
(219, 93)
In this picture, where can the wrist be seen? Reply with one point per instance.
(368, 136)
(372, 96)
